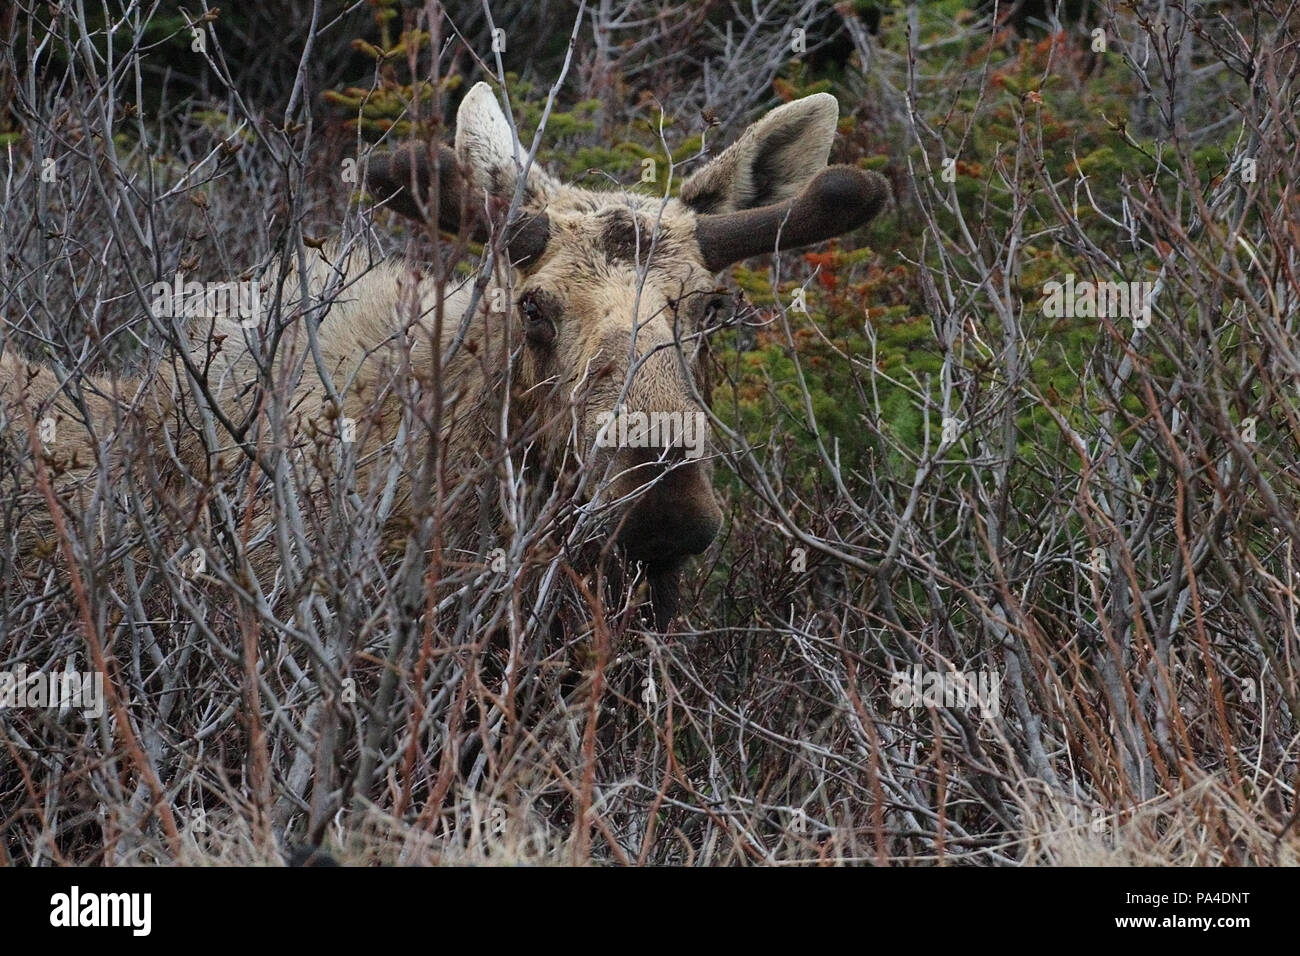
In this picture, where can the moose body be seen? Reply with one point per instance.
(610, 292)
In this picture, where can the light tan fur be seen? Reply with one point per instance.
(625, 279)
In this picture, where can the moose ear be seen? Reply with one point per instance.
(486, 148)
(773, 159)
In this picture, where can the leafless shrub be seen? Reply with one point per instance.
(1123, 562)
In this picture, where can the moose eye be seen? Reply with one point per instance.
(714, 311)
(538, 312)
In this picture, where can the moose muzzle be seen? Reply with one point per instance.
(672, 511)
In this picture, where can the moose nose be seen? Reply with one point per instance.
(676, 515)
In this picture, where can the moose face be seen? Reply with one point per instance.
(615, 314)
(615, 293)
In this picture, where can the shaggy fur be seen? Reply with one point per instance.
(610, 313)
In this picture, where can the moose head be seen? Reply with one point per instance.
(614, 293)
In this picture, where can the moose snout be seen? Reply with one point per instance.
(675, 513)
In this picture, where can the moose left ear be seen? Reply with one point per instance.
(487, 151)
(773, 159)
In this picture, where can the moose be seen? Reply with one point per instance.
(610, 292)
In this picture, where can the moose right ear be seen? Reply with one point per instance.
(405, 179)
(772, 161)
